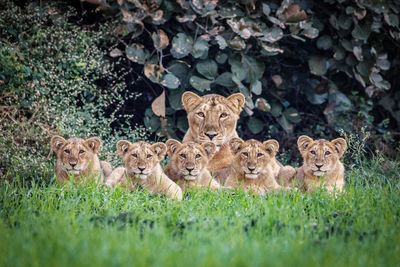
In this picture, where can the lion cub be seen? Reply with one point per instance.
(78, 157)
(188, 164)
(254, 167)
(321, 164)
(142, 168)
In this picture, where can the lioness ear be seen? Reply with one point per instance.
(57, 142)
(94, 143)
(238, 101)
(340, 146)
(303, 142)
(189, 100)
(172, 146)
(271, 146)
(122, 147)
(235, 144)
(210, 149)
(160, 149)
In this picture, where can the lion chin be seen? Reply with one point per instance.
(251, 176)
(319, 173)
(74, 172)
(141, 176)
(190, 177)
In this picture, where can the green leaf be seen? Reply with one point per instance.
(253, 67)
(208, 68)
(174, 99)
(237, 68)
(324, 42)
(283, 122)
(221, 42)
(200, 84)
(318, 65)
(182, 124)
(221, 58)
(361, 32)
(272, 35)
(391, 19)
(256, 88)
(182, 45)
(182, 71)
(137, 53)
(225, 79)
(292, 115)
(255, 125)
(171, 81)
(200, 48)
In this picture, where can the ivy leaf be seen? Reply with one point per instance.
(361, 32)
(255, 125)
(171, 81)
(324, 42)
(182, 124)
(256, 88)
(174, 99)
(200, 48)
(181, 70)
(208, 68)
(225, 79)
(253, 67)
(318, 65)
(200, 84)
(292, 115)
(137, 53)
(182, 45)
(158, 105)
(160, 40)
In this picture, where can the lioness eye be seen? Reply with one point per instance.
(223, 115)
(198, 156)
(259, 155)
(134, 155)
(200, 114)
(245, 154)
(67, 151)
(183, 156)
(81, 151)
(327, 153)
(312, 152)
(148, 156)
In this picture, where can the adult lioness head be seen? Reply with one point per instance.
(252, 156)
(189, 159)
(320, 156)
(140, 158)
(75, 154)
(212, 117)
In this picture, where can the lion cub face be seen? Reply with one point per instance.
(140, 158)
(321, 156)
(212, 117)
(189, 159)
(252, 156)
(75, 154)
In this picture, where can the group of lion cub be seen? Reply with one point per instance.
(211, 155)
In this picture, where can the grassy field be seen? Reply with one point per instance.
(46, 225)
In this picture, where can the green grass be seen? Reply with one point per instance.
(47, 225)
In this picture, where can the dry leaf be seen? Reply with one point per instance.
(277, 79)
(158, 105)
(294, 14)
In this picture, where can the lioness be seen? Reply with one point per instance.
(321, 164)
(254, 167)
(188, 164)
(213, 118)
(78, 157)
(142, 168)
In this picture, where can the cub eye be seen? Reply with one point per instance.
(313, 152)
(200, 114)
(81, 151)
(223, 115)
(245, 154)
(67, 151)
(259, 155)
(134, 155)
(198, 156)
(327, 153)
(148, 156)
(183, 156)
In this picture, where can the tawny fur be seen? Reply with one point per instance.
(321, 164)
(188, 164)
(78, 158)
(142, 169)
(213, 118)
(254, 167)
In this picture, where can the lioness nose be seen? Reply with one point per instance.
(141, 168)
(73, 164)
(190, 169)
(251, 168)
(211, 135)
(319, 165)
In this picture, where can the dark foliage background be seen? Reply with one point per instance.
(323, 68)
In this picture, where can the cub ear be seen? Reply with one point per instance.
(57, 142)
(271, 146)
(123, 147)
(172, 146)
(94, 143)
(210, 149)
(190, 100)
(160, 149)
(303, 143)
(238, 101)
(235, 144)
(340, 146)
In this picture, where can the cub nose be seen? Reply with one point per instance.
(73, 164)
(141, 169)
(251, 168)
(211, 135)
(319, 165)
(190, 169)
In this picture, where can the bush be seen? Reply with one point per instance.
(54, 79)
(311, 67)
